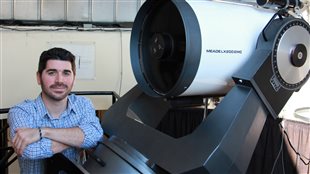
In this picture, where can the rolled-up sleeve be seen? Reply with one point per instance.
(39, 150)
(20, 117)
(90, 125)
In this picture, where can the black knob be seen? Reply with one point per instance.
(299, 55)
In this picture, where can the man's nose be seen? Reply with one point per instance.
(59, 77)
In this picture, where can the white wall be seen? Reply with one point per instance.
(20, 51)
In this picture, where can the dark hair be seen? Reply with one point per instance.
(56, 54)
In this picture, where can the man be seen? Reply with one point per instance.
(55, 121)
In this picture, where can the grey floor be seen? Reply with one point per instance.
(14, 167)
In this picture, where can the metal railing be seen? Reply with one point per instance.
(4, 110)
(6, 152)
(114, 95)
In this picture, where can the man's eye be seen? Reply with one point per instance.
(51, 73)
(67, 73)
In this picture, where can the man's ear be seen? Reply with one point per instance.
(38, 78)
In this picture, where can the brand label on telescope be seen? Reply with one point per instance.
(275, 83)
(224, 51)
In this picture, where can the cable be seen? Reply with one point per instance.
(303, 158)
(55, 28)
(283, 169)
(281, 150)
(121, 72)
(1, 68)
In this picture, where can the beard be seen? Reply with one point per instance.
(49, 92)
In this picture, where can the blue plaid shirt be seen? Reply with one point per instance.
(33, 114)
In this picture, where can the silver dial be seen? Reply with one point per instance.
(291, 54)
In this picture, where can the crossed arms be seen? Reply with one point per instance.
(27, 142)
(61, 138)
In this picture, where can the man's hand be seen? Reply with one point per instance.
(23, 137)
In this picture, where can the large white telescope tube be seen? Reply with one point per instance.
(185, 48)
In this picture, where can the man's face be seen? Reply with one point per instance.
(56, 80)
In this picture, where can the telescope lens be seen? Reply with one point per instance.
(163, 63)
(159, 47)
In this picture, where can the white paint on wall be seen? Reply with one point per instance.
(22, 49)
(84, 53)
(1, 67)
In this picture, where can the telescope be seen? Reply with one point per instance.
(177, 51)
(184, 52)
